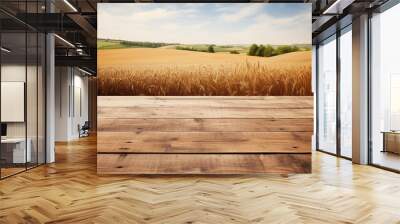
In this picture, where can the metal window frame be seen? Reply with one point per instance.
(0, 92)
(341, 31)
(381, 9)
(338, 33)
(387, 5)
(44, 73)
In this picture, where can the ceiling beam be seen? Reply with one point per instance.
(337, 7)
(86, 27)
(77, 61)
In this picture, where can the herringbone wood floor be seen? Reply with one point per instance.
(70, 191)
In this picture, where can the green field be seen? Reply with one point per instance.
(103, 44)
(109, 44)
(113, 44)
(118, 44)
(217, 48)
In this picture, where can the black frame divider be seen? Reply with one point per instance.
(39, 50)
(338, 100)
(339, 32)
(382, 8)
(0, 99)
(339, 27)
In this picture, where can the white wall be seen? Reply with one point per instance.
(70, 83)
(62, 83)
(81, 82)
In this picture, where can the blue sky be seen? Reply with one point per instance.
(191, 23)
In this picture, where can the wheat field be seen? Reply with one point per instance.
(169, 72)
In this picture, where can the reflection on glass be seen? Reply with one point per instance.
(14, 153)
(327, 95)
(31, 100)
(394, 102)
(22, 91)
(385, 114)
(346, 93)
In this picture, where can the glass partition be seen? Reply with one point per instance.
(13, 95)
(385, 89)
(346, 92)
(31, 98)
(334, 94)
(22, 77)
(327, 95)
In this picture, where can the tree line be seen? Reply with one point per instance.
(269, 51)
(210, 49)
(143, 44)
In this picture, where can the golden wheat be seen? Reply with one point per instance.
(245, 79)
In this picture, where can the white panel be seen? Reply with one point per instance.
(12, 101)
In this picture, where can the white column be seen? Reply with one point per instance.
(50, 98)
(63, 103)
(360, 89)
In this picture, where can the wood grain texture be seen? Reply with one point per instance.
(203, 112)
(204, 142)
(205, 125)
(280, 102)
(202, 163)
(207, 98)
(172, 133)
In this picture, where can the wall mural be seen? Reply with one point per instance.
(204, 88)
(204, 49)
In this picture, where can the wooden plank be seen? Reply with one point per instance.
(204, 125)
(309, 98)
(203, 163)
(204, 135)
(202, 112)
(204, 142)
(272, 102)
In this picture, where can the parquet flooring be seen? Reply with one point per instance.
(70, 191)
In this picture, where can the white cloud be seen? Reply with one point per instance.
(284, 21)
(267, 29)
(153, 14)
(244, 12)
(197, 23)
